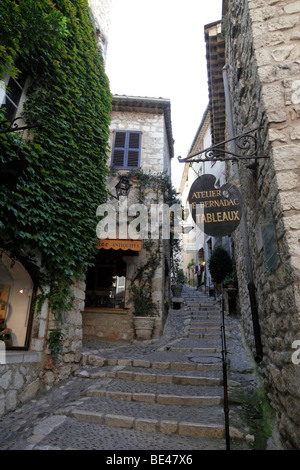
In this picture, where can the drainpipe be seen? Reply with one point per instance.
(243, 229)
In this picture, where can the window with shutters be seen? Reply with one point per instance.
(126, 151)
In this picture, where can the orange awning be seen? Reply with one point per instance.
(134, 245)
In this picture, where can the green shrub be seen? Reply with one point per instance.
(220, 264)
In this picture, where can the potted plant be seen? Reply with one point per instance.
(178, 280)
(145, 309)
(230, 280)
(220, 265)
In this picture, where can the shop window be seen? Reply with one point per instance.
(106, 283)
(16, 292)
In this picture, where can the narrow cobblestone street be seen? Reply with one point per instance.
(162, 394)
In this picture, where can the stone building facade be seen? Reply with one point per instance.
(193, 241)
(26, 364)
(147, 121)
(198, 246)
(261, 70)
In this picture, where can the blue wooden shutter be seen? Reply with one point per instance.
(118, 159)
(133, 157)
(126, 150)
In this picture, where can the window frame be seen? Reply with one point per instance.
(126, 150)
(30, 309)
(13, 108)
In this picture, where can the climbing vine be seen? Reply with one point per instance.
(141, 285)
(158, 183)
(160, 187)
(48, 213)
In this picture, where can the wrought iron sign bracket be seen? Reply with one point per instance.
(13, 126)
(249, 145)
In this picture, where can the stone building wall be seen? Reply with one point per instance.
(101, 12)
(155, 159)
(263, 52)
(154, 153)
(151, 117)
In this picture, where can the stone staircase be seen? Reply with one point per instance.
(170, 397)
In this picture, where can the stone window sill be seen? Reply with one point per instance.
(21, 357)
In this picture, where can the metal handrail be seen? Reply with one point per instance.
(224, 364)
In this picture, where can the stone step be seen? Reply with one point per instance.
(193, 350)
(150, 425)
(205, 323)
(144, 406)
(159, 378)
(94, 360)
(204, 300)
(204, 307)
(80, 434)
(203, 314)
(164, 399)
(204, 329)
(192, 334)
(199, 325)
(116, 385)
(197, 311)
(200, 319)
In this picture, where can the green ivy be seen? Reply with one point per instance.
(141, 285)
(51, 208)
(158, 184)
(220, 264)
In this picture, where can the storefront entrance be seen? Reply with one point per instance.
(106, 281)
(16, 293)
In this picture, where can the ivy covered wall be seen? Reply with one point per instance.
(61, 166)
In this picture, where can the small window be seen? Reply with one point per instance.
(14, 92)
(16, 294)
(126, 150)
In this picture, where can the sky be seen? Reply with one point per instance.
(156, 49)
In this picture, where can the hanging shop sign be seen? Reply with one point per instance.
(134, 245)
(216, 211)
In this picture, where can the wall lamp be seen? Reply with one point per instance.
(122, 188)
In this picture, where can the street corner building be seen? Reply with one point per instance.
(118, 288)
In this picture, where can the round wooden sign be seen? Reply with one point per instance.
(216, 211)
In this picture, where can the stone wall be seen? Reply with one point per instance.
(263, 51)
(154, 153)
(109, 324)
(101, 11)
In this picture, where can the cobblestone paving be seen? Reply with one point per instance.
(155, 395)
